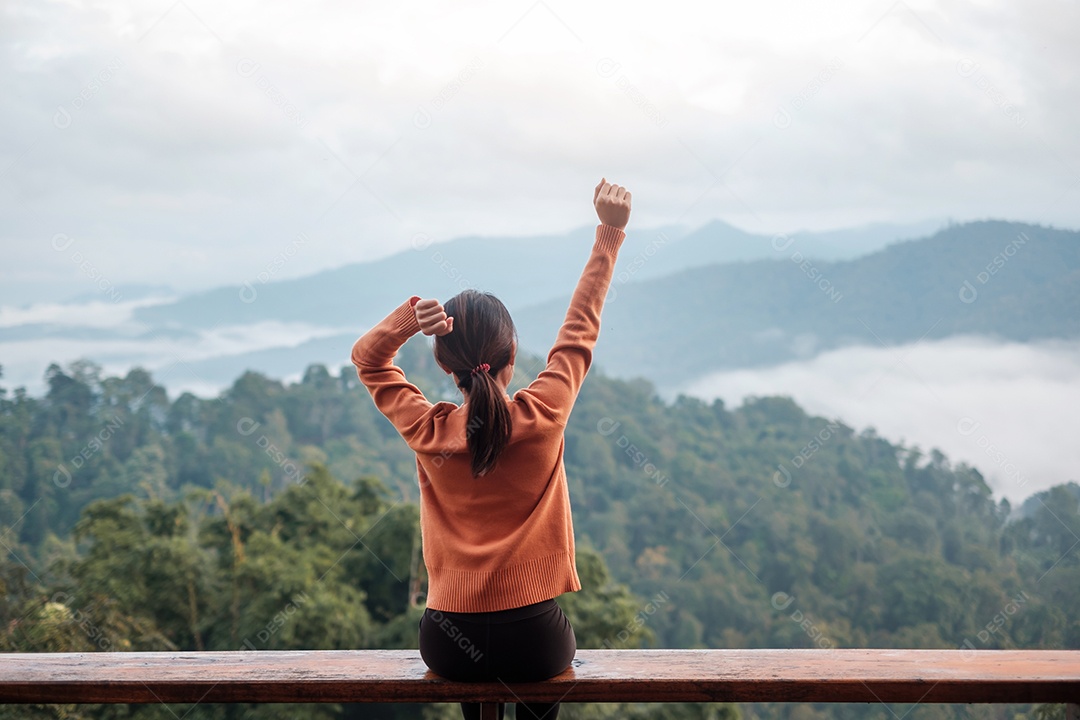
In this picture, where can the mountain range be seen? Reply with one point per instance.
(683, 303)
(993, 279)
(521, 271)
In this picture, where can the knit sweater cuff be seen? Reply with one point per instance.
(609, 239)
(404, 319)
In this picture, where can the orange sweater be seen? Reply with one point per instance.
(506, 539)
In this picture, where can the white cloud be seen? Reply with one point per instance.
(88, 314)
(1005, 409)
(167, 356)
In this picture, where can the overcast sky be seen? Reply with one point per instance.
(193, 143)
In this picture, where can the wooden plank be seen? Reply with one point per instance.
(773, 675)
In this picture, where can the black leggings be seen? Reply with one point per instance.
(523, 644)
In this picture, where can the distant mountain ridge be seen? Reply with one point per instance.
(688, 323)
(683, 303)
(346, 301)
(992, 278)
(520, 271)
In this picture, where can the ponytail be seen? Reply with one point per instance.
(487, 430)
(481, 344)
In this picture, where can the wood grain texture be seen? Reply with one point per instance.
(773, 675)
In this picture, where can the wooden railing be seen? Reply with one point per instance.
(662, 676)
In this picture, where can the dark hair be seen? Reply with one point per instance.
(483, 333)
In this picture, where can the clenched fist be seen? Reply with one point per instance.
(432, 318)
(612, 204)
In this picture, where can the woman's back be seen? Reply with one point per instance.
(504, 539)
(494, 506)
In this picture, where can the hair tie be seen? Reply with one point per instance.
(482, 367)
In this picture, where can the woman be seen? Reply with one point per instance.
(494, 506)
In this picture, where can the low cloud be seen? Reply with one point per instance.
(170, 357)
(1006, 409)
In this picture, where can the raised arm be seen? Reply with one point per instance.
(557, 386)
(373, 355)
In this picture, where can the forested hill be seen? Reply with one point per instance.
(726, 515)
(994, 279)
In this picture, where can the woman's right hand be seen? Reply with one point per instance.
(612, 204)
(432, 318)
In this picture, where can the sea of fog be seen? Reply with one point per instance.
(1007, 409)
(34, 336)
